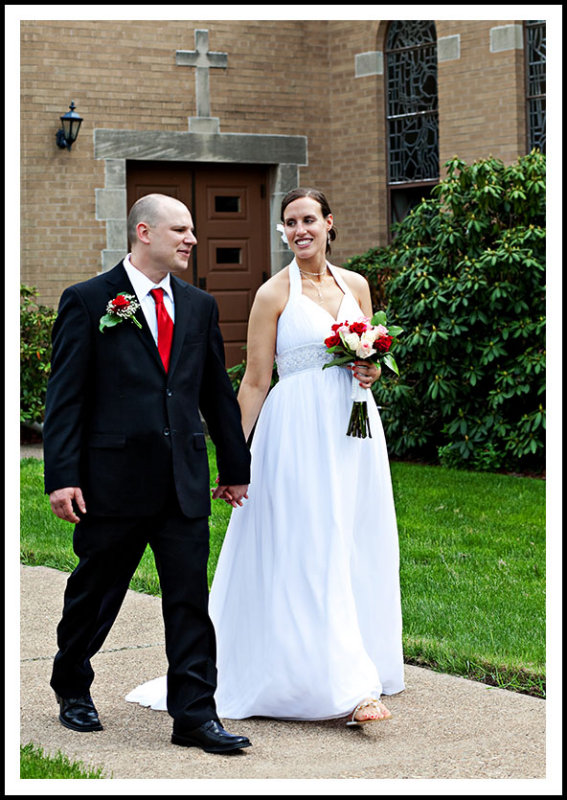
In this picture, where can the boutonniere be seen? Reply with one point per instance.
(124, 306)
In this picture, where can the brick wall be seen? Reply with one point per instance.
(481, 96)
(289, 77)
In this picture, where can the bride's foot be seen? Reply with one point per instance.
(369, 710)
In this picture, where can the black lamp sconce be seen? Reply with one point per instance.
(71, 122)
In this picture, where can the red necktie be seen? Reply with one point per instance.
(164, 326)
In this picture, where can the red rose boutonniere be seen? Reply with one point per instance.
(124, 306)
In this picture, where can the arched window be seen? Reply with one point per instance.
(534, 33)
(412, 113)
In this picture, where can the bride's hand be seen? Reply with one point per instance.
(233, 494)
(366, 373)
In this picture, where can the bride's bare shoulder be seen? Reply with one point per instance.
(355, 281)
(273, 293)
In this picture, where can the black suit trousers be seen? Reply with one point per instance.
(109, 550)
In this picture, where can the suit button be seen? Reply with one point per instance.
(166, 431)
(169, 393)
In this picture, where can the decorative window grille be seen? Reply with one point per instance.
(534, 32)
(413, 129)
(411, 113)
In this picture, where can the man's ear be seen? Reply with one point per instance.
(143, 231)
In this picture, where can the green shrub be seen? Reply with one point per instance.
(236, 373)
(36, 322)
(376, 267)
(468, 288)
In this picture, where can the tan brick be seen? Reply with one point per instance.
(283, 77)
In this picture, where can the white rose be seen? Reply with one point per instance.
(351, 340)
(365, 349)
(369, 336)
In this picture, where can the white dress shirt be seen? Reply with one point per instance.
(142, 286)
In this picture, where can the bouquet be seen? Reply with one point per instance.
(366, 339)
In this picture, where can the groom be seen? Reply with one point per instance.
(126, 461)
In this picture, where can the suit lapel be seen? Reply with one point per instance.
(182, 300)
(118, 281)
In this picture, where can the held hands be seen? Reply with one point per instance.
(62, 503)
(233, 495)
(366, 372)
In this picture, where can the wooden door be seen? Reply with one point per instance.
(168, 178)
(232, 250)
(229, 206)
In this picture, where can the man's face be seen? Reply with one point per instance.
(172, 238)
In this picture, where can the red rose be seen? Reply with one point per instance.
(333, 340)
(338, 325)
(358, 327)
(120, 302)
(382, 343)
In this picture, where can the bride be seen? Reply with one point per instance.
(306, 599)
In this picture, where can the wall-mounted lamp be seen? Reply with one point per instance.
(71, 122)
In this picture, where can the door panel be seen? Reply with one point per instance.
(167, 178)
(175, 180)
(230, 210)
(229, 260)
(232, 213)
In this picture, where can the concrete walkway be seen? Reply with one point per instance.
(443, 727)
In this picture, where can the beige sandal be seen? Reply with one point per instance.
(366, 704)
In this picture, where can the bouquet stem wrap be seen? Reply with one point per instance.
(359, 424)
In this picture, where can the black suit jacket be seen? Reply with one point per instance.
(122, 429)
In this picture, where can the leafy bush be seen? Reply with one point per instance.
(36, 322)
(468, 288)
(376, 268)
(236, 373)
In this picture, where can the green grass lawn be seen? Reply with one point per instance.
(473, 573)
(472, 568)
(34, 763)
(48, 541)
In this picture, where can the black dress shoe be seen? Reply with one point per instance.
(211, 737)
(78, 713)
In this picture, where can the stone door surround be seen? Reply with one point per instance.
(284, 154)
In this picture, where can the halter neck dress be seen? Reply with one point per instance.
(306, 597)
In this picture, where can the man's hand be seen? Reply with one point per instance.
(233, 495)
(62, 503)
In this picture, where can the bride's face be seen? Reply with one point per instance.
(306, 228)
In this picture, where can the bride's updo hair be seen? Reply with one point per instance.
(296, 194)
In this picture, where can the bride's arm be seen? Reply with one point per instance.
(260, 351)
(366, 372)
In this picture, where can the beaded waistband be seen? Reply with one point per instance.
(299, 359)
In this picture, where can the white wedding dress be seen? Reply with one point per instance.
(306, 597)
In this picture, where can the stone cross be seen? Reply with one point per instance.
(203, 60)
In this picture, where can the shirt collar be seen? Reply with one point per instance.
(142, 284)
